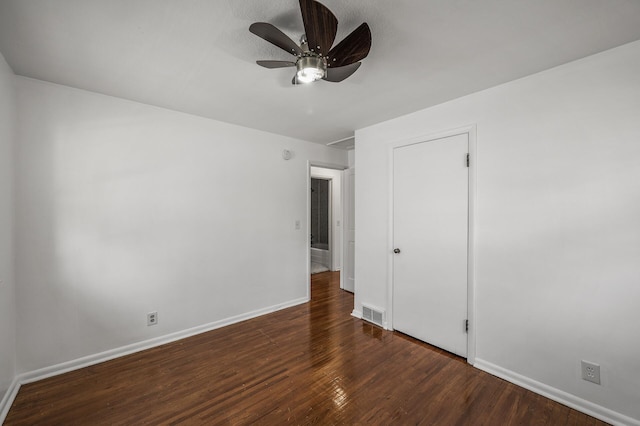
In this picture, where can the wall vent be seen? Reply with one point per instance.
(372, 315)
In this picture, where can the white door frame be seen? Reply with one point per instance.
(338, 167)
(348, 205)
(471, 132)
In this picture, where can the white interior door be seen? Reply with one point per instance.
(430, 230)
(348, 269)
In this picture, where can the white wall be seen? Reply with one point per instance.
(124, 208)
(558, 224)
(336, 212)
(7, 286)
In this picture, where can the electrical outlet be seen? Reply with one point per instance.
(152, 318)
(590, 372)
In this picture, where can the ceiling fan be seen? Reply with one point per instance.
(315, 57)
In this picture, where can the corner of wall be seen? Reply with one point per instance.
(352, 157)
(8, 398)
(565, 398)
(8, 382)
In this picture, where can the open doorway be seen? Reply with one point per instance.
(333, 177)
(325, 219)
(320, 223)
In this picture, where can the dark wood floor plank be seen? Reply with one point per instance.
(312, 364)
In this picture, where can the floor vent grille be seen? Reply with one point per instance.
(372, 315)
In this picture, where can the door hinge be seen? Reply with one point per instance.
(466, 326)
(467, 159)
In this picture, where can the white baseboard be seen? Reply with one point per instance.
(8, 398)
(65, 367)
(557, 395)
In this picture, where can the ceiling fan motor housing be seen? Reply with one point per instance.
(315, 67)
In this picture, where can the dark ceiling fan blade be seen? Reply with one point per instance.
(338, 74)
(275, 36)
(353, 48)
(320, 26)
(276, 64)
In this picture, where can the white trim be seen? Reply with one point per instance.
(308, 210)
(350, 145)
(323, 165)
(343, 233)
(307, 236)
(557, 395)
(348, 202)
(356, 314)
(471, 253)
(390, 242)
(330, 220)
(65, 367)
(470, 131)
(9, 397)
(341, 140)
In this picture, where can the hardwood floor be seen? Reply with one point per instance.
(310, 364)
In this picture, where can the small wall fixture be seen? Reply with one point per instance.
(286, 154)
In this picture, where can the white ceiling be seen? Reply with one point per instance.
(198, 56)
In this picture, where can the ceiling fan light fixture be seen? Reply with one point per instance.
(310, 69)
(316, 56)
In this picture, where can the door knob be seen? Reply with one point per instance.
(396, 251)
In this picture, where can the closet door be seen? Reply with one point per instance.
(430, 232)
